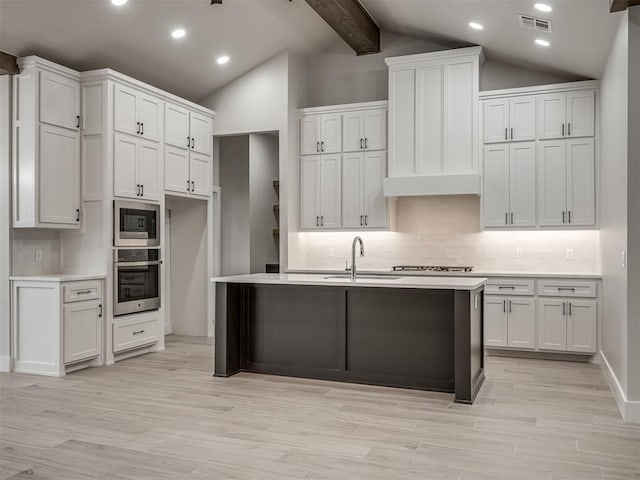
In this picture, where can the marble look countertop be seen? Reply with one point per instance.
(398, 281)
(57, 277)
(478, 273)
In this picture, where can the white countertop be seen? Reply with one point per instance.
(440, 282)
(57, 277)
(478, 273)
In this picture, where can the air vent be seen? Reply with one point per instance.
(535, 23)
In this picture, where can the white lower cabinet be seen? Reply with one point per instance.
(495, 322)
(509, 322)
(57, 325)
(582, 326)
(139, 331)
(567, 324)
(552, 324)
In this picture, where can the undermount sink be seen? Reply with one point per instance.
(363, 277)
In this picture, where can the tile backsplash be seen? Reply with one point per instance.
(24, 244)
(445, 230)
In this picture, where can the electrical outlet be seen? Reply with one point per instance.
(38, 255)
(569, 254)
(332, 252)
(624, 259)
(519, 252)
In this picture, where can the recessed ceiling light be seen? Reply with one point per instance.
(179, 33)
(475, 25)
(119, 3)
(543, 7)
(223, 59)
(542, 43)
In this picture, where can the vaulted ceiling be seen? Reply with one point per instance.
(135, 38)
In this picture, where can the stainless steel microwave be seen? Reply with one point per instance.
(136, 224)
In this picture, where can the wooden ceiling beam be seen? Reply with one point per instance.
(352, 22)
(8, 64)
(621, 5)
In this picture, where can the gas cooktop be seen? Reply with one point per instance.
(431, 268)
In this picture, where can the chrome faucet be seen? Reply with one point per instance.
(353, 255)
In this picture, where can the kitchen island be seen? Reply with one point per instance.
(413, 332)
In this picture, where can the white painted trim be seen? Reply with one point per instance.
(345, 107)
(33, 61)
(630, 410)
(554, 87)
(435, 56)
(446, 184)
(6, 363)
(36, 368)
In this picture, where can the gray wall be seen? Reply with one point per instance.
(613, 204)
(634, 206)
(338, 76)
(234, 184)
(263, 170)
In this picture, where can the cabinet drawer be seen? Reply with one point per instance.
(81, 291)
(134, 334)
(509, 286)
(567, 288)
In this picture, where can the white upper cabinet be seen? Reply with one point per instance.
(310, 192)
(509, 197)
(352, 190)
(137, 169)
(321, 133)
(136, 113)
(176, 126)
(570, 114)
(310, 134)
(320, 196)
(566, 178)
(363, 202)
(200, 127)
(46, 146)
(509, 119)
(176, 170)
(364, 130)
(59, 100)
(433, 121)
(200, 174)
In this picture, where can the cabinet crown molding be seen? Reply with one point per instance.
(33, 61)
(552, 88)
(343, 108)
(438, 56)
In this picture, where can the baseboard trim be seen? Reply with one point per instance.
(6, 363)
(629, 410)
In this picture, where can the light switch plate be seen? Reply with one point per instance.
(519, 252)
(38, 255)
(569, 254)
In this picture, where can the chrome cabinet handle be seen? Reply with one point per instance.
(78, 121)
(138, 332)
(138, 131)
(77, 214)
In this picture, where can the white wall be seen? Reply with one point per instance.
(5, 220)
(188, 280)
(338, 76)
(263, 170)
(445, 230)
(24, 243)
(633, 183)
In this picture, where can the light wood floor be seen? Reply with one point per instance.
(162, 416)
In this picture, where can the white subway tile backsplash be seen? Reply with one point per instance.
(24, 244)
(446, 230)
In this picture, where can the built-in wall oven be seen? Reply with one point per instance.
(136, 278)
(136, 224)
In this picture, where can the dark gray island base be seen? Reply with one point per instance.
(420, 338)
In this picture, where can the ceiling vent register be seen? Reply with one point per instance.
(535, 23)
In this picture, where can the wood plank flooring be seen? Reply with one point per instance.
(163, 416)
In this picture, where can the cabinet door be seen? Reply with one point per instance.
(176, 170)
(551, 116)
(552, 324)
(581, 326)
(581, 187)
(375, 203)
(330, 183)
(521, 323)
(495, 120)
(459, 115)
(352, 190)
(552, 182)
(176, 126)
(310, 192)
(150, 117)
(201, 133)
(495, 196)
(81, 331)
(375, 129)
(495, 321)
(522, 172)
(581, 114)
(125, 114)
(125, 160)
(200, 173)
(310, 135)
(59, 100)
(403, 104)
(331, 133)
(59, 174)
(522, 118)
(353, 131)
(149, 170)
